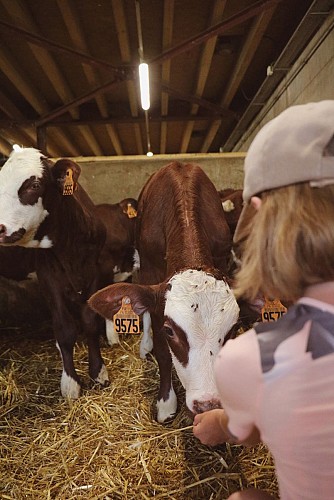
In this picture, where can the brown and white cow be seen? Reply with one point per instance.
(42, 206)
(183, 242)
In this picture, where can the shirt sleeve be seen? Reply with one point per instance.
(239, 381)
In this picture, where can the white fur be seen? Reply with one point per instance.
(44, 243)
(119, 277)
(69, 387)
(103, 377)
(167, 409)
(112, 336)
(206, 309)
(136, 261)
(228, 206)
(146, 344)
(20, 166)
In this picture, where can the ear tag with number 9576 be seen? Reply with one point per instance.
(126, 320)
(272, 310)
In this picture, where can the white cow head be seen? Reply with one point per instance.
(198, 311)
(23, 182)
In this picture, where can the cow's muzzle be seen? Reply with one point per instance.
(6, 239)
(202, 406)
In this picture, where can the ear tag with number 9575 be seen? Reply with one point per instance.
(126, 320)
(272, 310)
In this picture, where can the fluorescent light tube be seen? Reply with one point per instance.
(144, 86)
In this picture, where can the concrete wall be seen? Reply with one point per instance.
(310, 79)
(110, 179)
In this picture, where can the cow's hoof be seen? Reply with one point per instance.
(69, 387)
(166, 410)
(103, 377)
(112, 336)
(146, 347)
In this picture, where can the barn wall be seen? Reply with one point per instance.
(310, 79)
(110, 179)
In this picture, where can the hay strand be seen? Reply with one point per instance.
(106, 445)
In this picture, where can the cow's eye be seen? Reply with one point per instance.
(35, 185)
(169, 332)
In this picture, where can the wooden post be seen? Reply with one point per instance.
(42, 140)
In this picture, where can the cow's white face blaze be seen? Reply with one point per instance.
(21, 206)
(199, 311)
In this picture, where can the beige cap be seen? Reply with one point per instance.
(291, 148)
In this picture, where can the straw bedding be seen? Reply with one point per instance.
(105, 445)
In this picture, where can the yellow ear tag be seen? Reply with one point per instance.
(272, 310)
(130, 211)
(126, 320)
(69, 183)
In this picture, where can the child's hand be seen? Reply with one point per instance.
(210, 427)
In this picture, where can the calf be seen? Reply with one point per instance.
(118, 252)
(43, 207)
(119, 219)
(183, 242)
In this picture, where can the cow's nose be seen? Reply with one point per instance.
(202, 406)
(3, 229)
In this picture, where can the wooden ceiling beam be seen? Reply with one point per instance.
(244, 15)
(51, 68)
(29, 92)
(197, 101)
(249, 47)
(167, 34)
(71, 20)
(125, 51)
(62, 49)
(76, 102)
(204, 68)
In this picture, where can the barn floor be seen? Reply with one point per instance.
(105, 445)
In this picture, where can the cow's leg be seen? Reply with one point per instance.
(167, 401)
(66, 333)
(112, 336)
(94, 325)
(146, 343)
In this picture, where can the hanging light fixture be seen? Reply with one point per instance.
(144, 82)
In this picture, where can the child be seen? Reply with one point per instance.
(276, 381)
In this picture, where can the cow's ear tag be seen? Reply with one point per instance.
(126, 320)
(130, 211)
(69, 183)
(272, 310)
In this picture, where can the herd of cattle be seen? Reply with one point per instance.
(179, 237)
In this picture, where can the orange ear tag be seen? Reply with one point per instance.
(272, 310)
(130, 211)
(126, 320)
(69, 183)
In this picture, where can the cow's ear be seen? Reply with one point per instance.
(108, 301)
(66, 174)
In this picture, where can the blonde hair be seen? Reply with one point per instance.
(289, 244)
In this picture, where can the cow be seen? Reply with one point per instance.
(44, 208)
(119, 219)
(183, 242)
(118, 252)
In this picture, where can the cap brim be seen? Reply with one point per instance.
(243, 226)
